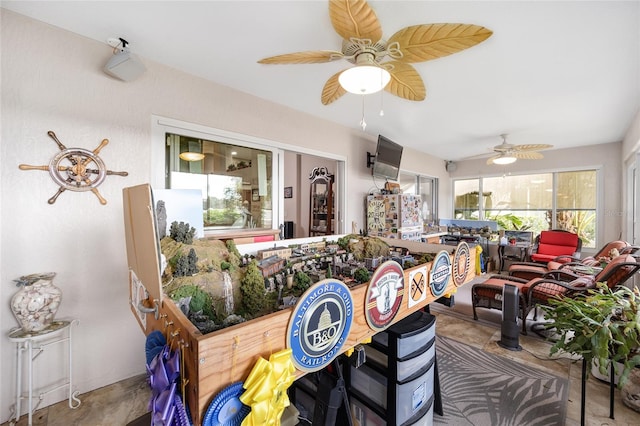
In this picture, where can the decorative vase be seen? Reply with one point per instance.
(36, 303)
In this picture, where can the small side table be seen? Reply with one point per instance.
(504, 250)
(34, 344)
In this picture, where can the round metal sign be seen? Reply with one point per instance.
(461, 263)
(384, 295)
(417, 286)
(320, 324)
(440, 273)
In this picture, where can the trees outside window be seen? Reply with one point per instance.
(533, 202)
(236, 181)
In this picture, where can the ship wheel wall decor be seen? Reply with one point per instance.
(76, 169)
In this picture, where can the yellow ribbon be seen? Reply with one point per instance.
(266, 389)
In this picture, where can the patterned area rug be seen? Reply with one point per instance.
(481, 389)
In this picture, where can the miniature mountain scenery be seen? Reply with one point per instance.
(216, 287)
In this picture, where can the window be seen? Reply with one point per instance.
(535, 202)
(427, 188)
(576, 204)
(466, 200)
(236, 181)
(519, 202)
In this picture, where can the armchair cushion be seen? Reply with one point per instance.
(552, 244)
(543, 289)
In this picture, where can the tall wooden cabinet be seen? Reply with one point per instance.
(321, 216)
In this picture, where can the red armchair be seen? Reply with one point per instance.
(551, 244)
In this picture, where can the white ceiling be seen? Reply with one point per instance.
(560, 73)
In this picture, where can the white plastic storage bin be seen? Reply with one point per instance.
(411, 396)
(406, 367)
(370, 383)
(363, 415)
(409, 334)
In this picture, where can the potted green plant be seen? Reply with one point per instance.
(601, 324)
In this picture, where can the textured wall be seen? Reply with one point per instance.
(52, 80)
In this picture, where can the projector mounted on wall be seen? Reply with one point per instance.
(123, 65)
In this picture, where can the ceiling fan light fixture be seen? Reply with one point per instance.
(191, 156)
(504, 159)
(365, 77)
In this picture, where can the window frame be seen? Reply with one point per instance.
(418, 190)
(160, 126)
(599, 198)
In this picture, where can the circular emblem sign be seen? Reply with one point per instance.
(384, 295)
(320, 324)
(417, 286)
(461, 263)
(440, 273)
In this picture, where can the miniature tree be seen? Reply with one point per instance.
(301, 282)
(252, 288)
(361, 275)
(225, 266)
(192, 262)
(408, 264)
(182, 232)
(329, 272)
(343, 242)
(201, 301)
(182, 266)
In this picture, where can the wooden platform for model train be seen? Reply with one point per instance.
(215, 360)
(218, 359)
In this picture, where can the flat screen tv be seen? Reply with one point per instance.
(387, 161)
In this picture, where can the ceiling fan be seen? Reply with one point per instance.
(362, 45)
(508, 153)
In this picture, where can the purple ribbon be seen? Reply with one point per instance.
(165, 404)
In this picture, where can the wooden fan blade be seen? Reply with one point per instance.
(405, 82)
(332, 89)
(527, 155)
(532, 147)
(420, 43)
(310, 57)
(355, 19)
